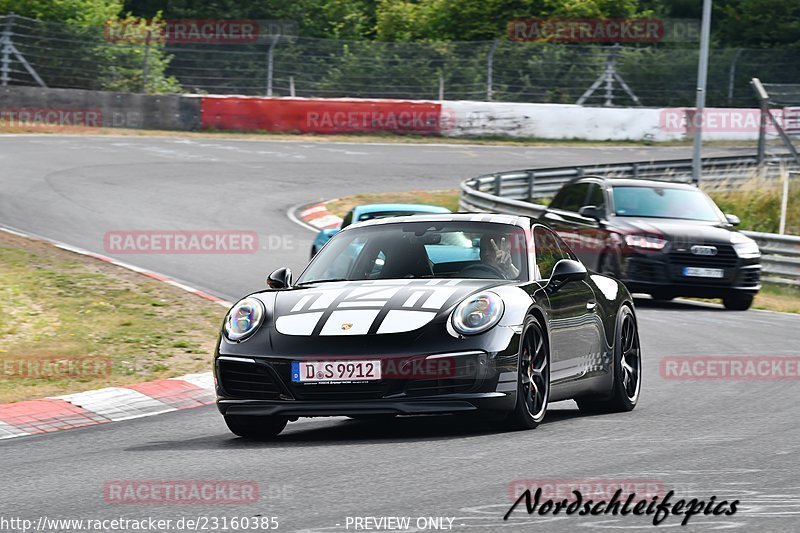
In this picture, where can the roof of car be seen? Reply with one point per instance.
(420, 208)
(636, 182)
(449, 217)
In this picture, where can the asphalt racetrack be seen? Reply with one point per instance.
(729, 439)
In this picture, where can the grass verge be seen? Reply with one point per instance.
(69, 323)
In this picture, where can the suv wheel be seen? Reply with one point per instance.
(738, 302)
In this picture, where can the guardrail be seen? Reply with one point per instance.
(719, 173)
(514, 192)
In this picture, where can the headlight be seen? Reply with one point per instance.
(747, 249)
(648, 242)
(478, 313)
(243, 319)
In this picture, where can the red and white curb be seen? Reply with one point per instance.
(109, 404)
(318, 216)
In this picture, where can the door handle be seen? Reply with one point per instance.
(590, 305)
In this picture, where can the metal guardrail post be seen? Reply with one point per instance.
(531, 184)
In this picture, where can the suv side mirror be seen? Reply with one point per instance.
(280, 279)
(733, 220)
(590, 211)
(568, 270)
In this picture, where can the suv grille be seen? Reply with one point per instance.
(725, 258)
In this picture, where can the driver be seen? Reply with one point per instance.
(496, 253)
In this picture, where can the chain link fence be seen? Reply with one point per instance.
(68, 56)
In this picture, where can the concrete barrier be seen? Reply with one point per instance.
(330, 115)
(353, 115)
(74, 107)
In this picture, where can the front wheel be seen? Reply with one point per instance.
(627, 369)
(738, 302)
(256, 427)
(533, 379)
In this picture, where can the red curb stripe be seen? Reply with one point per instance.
(44, 416)
(207, 296)
(175, 393)
(316, 215)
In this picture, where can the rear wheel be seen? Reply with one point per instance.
(738, 302)
(533, 379)
(256, 427)
(627, 369)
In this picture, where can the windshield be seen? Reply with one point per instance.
(664, 202)
(446, 249)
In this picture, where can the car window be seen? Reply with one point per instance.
(596, 197)
(549, 249)
(665, 202)
(571, 197)
(411, 250)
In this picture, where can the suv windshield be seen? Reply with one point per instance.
(446, 249)
(664, 202)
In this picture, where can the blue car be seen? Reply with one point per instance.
(361, 213)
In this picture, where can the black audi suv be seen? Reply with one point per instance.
(666, 239)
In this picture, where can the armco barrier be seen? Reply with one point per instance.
(514, 192)
(719, 173)
(320, 115)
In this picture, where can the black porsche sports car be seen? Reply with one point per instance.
(430, 314)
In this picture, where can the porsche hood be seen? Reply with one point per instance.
(372, 307)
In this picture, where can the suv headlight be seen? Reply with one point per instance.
(748, 249)
(478, 313)
(243, 319)
(648, 242)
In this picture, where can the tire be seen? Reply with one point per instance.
(533, 379)
(609, 266)
(738, 302)
(627, 372)
(256, 427)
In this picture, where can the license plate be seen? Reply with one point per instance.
(697, 272)
(335, 371)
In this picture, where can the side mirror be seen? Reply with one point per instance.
(280, 279)
(590, 211)
(733, 220)
(568, 270)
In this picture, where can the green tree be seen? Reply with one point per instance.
(83, 12)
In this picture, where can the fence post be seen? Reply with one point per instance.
(732, 75)
(441, 86)
(763, 104)
(5, 41)
(146, 64)
(291, 86)
(498, 185)
(489, 69)
(269, 63)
